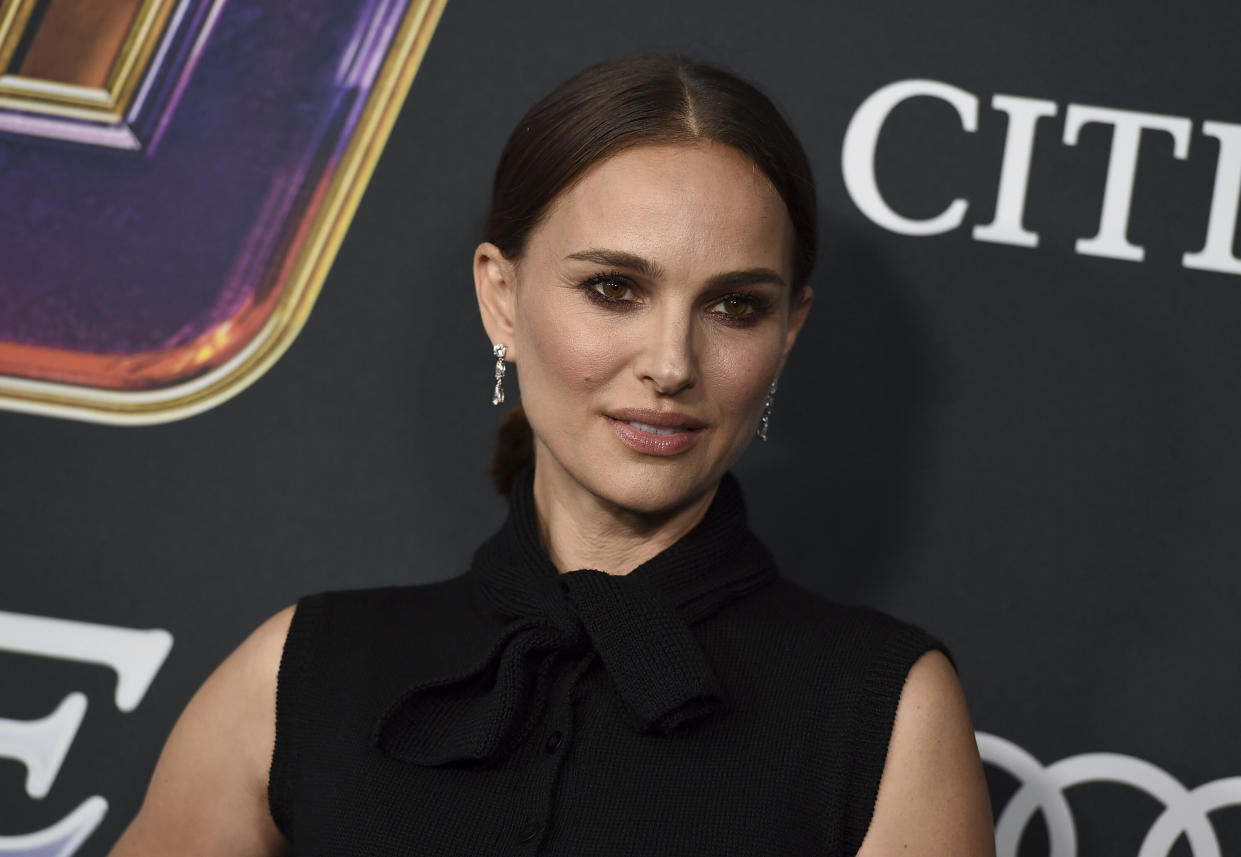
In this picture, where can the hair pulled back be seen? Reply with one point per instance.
(615, 105)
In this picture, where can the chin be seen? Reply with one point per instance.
(643, 485)
(652, 488)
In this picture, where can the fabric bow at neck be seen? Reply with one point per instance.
(637, 624)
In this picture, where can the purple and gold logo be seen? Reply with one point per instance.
(175, 179)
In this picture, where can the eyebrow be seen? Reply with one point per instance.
(652, 271)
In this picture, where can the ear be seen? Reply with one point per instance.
(797, 318)
(495, 282)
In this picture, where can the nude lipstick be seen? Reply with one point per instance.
(655, 432)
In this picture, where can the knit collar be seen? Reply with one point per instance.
(699, 572)
(637, 624)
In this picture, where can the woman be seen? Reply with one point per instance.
(622, 670)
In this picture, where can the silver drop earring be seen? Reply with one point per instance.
(766, 418)
(499, 351)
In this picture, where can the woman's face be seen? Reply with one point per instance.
(647, 318)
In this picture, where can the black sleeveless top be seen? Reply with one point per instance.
(700, 705)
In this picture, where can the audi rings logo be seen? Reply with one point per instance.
(1041, 790)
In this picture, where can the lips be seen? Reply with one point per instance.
(657, 419)
(652, 432)
(650, 429)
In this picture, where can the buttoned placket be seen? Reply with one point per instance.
(552, 741)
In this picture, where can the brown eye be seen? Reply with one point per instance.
(612, 289)
(736, 306)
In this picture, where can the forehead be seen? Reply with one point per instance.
(693, 209)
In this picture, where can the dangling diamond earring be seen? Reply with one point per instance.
(766, 418)
(499, 351)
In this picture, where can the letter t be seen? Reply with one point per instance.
(1111, 240)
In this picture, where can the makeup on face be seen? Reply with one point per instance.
(653, 316)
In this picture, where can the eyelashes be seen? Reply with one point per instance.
(600, 284)
(609, 290)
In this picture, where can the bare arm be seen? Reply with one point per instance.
(932, 798)
(208, 794)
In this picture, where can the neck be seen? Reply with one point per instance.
(580, 529)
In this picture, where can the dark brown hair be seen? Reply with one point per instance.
(615, 105)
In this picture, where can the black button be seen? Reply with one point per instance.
(564, 585)
(530, 831)
(553, 741)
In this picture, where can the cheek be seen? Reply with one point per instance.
(741, 378)
(563, 350)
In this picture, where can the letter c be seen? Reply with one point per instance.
(857, 159)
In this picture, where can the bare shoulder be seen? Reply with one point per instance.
(932, 799)
(208, 794)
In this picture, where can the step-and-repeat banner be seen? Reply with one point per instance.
(240, 361)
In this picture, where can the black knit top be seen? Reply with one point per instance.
(700, 705)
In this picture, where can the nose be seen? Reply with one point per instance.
(667, 359)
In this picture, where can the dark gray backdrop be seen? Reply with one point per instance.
(1030, 451)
